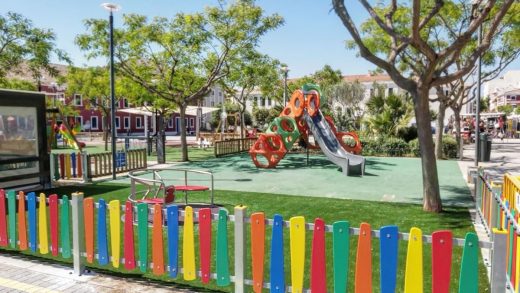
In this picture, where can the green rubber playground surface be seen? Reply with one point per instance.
(386, 179)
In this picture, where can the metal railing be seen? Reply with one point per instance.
(158, 184)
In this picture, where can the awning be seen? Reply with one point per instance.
(190, 110)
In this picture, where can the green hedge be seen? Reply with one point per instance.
(396, 147)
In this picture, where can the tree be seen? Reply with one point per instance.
(504, 48)
(346, 99)
(398, 39)
(506, 109)
(17, 84)
(250, 71)
(178, 60)
(23, 44)
(93, 84)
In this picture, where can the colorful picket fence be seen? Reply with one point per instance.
(104, 233)
(498, 205)
(69, 166)
(84, 166)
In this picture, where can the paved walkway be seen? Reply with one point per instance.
(505, 157)
(19, 274)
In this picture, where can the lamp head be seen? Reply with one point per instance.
(111, 7)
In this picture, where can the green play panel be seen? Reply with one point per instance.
(386, 179)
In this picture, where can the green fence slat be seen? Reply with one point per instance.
(56, 167)
(469, 265)
(65, 227)
(340, 251)
(142, 235)
(11, 201)
(222, 250)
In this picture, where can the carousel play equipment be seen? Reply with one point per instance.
(300, 119)
(162, 186)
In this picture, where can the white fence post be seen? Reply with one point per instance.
(240, 248)
(78, 233)
(498, 261)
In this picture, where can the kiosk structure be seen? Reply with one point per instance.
(24, 157)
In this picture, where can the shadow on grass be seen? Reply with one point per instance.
(89, 189)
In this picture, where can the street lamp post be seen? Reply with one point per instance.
(285, 71)
(476, 11)
(111, 8)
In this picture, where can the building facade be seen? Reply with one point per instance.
(504, 90)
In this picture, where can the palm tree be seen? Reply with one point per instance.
(388, 115)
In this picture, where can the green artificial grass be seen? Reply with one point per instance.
(377, 214)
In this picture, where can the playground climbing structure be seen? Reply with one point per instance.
(302, 118)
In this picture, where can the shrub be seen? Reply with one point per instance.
(415, 150)
(384, 146)
(407, 133)
(449, 147)
(395, 147)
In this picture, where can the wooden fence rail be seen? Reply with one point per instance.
(233, 146)
(84, 166)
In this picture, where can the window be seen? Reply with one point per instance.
(170, 123)
(390, 91)
(139, 122)
(255, 101)
(118, 123)
(125, 103)
(94, 123)
(78, 120)
(77, 100)
(268, 102)
(126, 122)
(192, 122)
(262, 101)
(212, 104)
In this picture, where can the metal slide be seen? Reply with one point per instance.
(331, 147)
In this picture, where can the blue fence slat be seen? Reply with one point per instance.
(102, 233)
(172, 213)
(73, 164)
(31, 206)
(277, 278)
(388, 246)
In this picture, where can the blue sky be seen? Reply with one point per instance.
(311, 37)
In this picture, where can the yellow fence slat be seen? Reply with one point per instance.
(188, 246)
(114, 209)
(43, 233)
(297, 242)
(413, 280)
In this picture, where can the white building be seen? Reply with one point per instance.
(261, 102)
(504, 90)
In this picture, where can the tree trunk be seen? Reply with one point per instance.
(242, 124)
(161, 140)
(431, 195)
(184, 143)
(458, 133)
(440, 130)
(105, 131)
